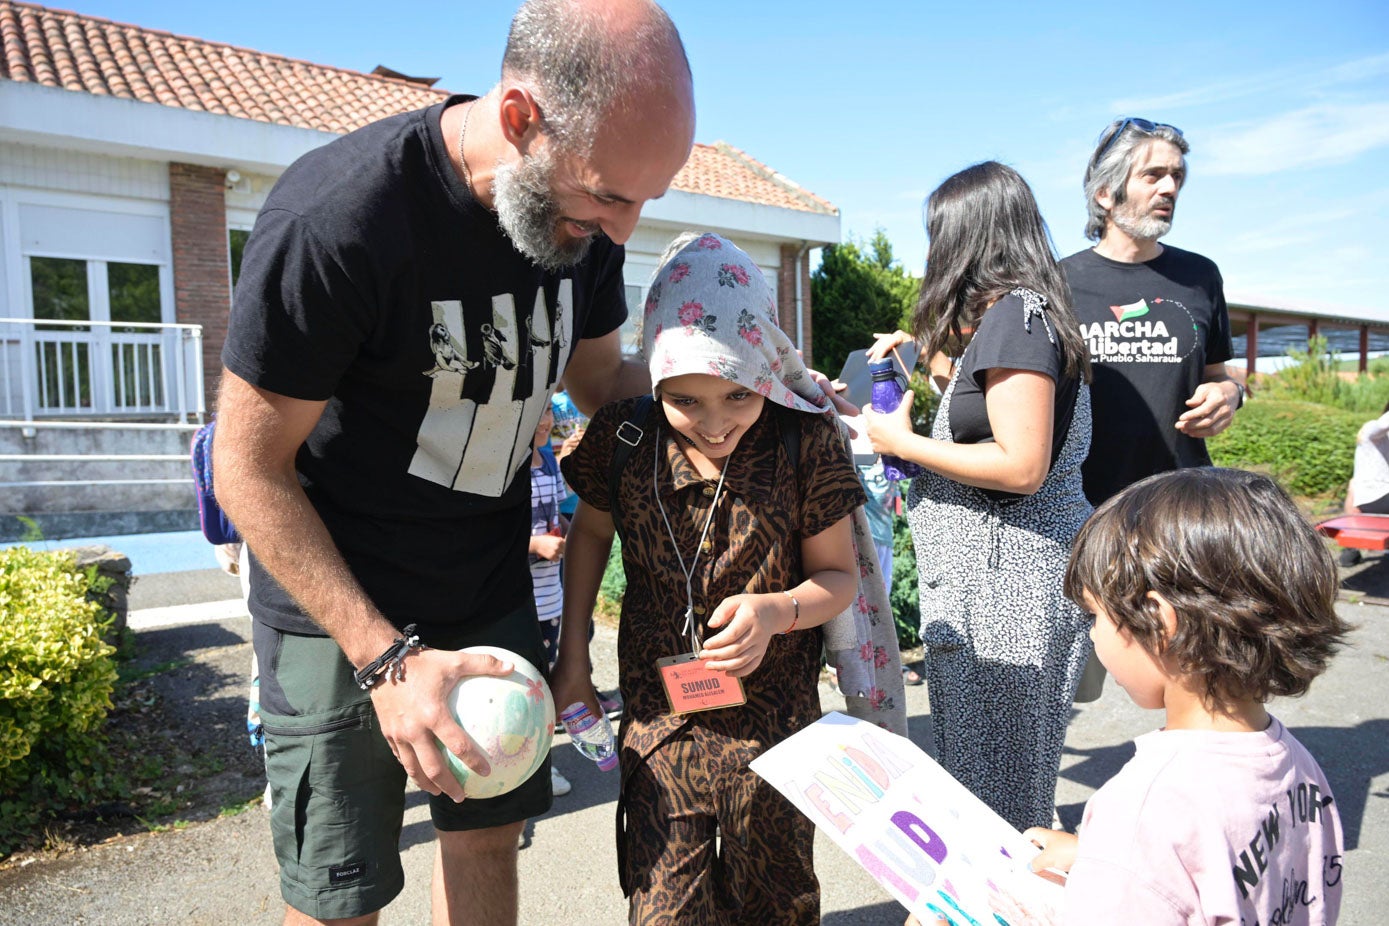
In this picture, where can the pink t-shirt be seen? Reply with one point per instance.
(1205, 827)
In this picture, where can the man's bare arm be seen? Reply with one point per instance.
(258, 436)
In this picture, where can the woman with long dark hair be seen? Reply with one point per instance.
(999, 502)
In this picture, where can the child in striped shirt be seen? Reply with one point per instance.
(547, 534)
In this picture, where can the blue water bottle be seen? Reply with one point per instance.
(888, 390)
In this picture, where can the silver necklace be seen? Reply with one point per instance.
(690, 629)
(462, 159)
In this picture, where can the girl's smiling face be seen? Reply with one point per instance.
(712, 414)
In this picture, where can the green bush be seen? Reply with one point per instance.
(1309, 448)
(924, 405)
(906, 610)
(614, 578)
(1311, 378)
(1366, 395)
(56, 679)
(1316, 377)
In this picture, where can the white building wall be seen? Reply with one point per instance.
(82, 172)
(246, 197)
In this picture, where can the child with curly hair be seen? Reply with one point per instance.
(1210, 594)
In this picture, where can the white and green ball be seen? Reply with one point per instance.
(511, 718)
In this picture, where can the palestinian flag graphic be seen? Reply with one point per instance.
(1123, 313)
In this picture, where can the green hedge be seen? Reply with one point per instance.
(1309, 448)
(56, 679)
(614, 576)
(906, 609)
(1316, 376)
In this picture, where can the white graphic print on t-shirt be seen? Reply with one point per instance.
(476, 443)
(1146, 331)
(448, 353)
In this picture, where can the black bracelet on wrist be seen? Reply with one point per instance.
(391, 663)
(1242, 394)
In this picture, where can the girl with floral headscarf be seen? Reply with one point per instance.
(738, 554)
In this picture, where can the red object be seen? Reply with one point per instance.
(1361, 531)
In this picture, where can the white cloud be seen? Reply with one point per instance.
(1288, 233)
(1363, 69)
(1212, 93)
(1280, 81)
(1331, 133)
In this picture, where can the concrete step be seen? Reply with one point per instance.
(94, 437)
(88, 476)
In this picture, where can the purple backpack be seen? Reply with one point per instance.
(217, 528)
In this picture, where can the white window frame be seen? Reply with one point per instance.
(17, 256)
(238, 219)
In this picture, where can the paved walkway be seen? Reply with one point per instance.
(222, 872)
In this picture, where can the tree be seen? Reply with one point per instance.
(855, 292)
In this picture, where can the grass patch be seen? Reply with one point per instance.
(130, 674)
(171, 827)
(606, 611)
(237, 809)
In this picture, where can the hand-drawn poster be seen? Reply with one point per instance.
(922, 835)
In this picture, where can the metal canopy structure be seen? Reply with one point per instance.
(1249, 316)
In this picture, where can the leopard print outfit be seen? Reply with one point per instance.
(1004, 647)
(685, 778)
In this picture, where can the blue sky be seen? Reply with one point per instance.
(871, 104)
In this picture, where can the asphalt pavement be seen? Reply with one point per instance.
(223, 871)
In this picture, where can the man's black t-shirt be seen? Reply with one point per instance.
(1152, 328)
(1006, 338)
(373, 281)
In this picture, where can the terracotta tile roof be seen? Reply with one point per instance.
(88, 54)
(722, 170)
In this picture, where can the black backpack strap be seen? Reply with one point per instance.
(629, 435)
(788, 423)
(790, 427)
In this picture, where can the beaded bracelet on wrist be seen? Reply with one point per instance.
(391, 663)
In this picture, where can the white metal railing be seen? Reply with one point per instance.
(57, 369)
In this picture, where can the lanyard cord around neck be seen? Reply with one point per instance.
(689, 627)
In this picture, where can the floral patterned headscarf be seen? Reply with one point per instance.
(709, 310)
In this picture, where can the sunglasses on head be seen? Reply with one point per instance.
(1143, 125)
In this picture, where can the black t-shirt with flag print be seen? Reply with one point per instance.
(1152, 328)
(373, 281)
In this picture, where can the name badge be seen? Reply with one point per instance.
(691, 686)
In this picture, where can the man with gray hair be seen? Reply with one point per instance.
(409, 297)
(1154, 316)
